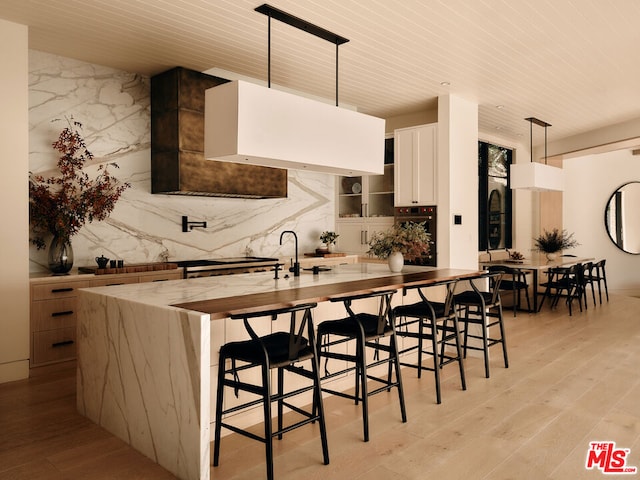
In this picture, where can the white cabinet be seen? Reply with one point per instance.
(365, 204)
(416, 165)
(356, 233)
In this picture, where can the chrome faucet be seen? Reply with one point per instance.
(296, 266)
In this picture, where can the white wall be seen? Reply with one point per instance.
(14, 253)
(589, 182)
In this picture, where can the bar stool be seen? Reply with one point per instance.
(514, 280)
(480, 306)
(282, 351)
(366, 330)
(431, 321)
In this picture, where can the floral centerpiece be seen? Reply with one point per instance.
(60, 205)
(554, 241)
(409, 240)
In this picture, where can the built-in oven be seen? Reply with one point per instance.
(428, 216)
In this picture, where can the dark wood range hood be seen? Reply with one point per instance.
(178, 166)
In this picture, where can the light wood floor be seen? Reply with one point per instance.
(571, 380)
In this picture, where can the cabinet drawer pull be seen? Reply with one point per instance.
(61, 290)
(60, 314)
(165, 279)
(113, 284)
(62, 344)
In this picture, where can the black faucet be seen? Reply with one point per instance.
(296, 266)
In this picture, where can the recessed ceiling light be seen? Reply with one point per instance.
(499, 128)
(500, 107)
(445, 84)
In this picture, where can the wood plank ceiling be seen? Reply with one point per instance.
(568, 62)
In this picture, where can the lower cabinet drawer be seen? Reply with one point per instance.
(53, 314)
(54, 345)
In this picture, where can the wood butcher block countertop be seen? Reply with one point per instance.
(220, 296)
(224, 307)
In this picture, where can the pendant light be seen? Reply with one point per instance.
(249, 123)
(533, 175)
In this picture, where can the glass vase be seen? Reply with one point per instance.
(60, 257)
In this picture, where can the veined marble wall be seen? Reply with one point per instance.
(113, 107)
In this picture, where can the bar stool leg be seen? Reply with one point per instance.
(436, 358)
(362, 368)
(485, 342)
(394, 350)
(268, 428)
(463, 379)
(219, 400)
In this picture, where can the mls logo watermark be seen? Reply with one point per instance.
(606, 457)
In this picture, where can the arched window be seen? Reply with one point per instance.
(494, 197)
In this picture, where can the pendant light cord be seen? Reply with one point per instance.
(302, 25)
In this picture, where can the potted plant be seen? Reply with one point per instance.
(407, 240)
(60, 205)
(328, 239)
(554, 241)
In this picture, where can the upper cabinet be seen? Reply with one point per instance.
(415, 165)
(370, 195)
(365, 205)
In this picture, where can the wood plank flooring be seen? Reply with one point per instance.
(571, 380)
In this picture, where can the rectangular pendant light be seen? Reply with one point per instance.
(536, 177)
(249, 123)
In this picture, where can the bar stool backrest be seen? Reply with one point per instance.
(297, 340)
(384, 306)
(495, 279)
(450, 286)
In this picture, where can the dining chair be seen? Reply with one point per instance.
(598, 275)
(567, 282)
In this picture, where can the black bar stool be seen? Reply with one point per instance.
(479, 307)
(431, 321)
(514, 280)
(282, 351)
(367, 330)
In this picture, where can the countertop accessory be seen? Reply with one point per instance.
(102, 261)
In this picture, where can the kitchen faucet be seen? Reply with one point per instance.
(296, 266)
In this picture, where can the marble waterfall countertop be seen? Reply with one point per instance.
(146, 367)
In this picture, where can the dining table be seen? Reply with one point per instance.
(536, 264)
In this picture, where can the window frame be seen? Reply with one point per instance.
(483, 197)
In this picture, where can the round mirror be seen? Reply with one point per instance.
(622, 219)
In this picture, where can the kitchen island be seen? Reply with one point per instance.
(147, 352)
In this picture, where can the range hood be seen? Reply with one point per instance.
(178, 166)
(251, 124)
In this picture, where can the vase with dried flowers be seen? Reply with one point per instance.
(552, 242)
(407, 240)
(60, 205)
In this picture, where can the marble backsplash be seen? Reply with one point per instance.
(113, 107)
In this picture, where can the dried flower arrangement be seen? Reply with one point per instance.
(410, 238)
(554, 241)
(61, 205)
